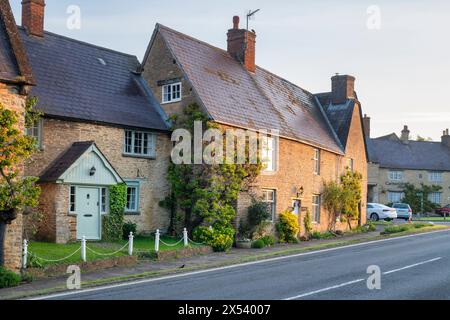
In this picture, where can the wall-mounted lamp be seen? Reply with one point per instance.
(92, 171)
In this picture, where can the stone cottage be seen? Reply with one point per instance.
(320, 135)
(15, 80)
(101, 126)
(396, 160)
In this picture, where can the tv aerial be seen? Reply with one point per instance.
(251, 15)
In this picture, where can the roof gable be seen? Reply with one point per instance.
(233, 96)
(82, 82)
(14, 65)
(74, 164)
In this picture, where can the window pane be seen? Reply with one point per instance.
(137, 143)
(72, 199)
(128, 141)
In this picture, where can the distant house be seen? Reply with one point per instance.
(101, 126)
(15, 80)
(396, 160)
(320, 134)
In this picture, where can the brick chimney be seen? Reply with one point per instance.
(366, 124)
(342, 88)
(241, 45)
(446, 138)
(405, 135)
(33, 16)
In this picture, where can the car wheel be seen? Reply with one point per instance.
(374, 217)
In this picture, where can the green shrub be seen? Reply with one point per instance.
(316, 235)
(255, 224)
(127, 228)
(405, 227)
(219, 237)
(268, 241)
(307, 224)
(113, 222)
(258, 244)
(371, 227)
(8, 279)
(258, 212)
(287, 227)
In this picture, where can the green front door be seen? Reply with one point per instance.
(88, 213)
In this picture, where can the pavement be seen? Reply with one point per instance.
(411, 267)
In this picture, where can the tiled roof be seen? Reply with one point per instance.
(65, 160)
(390, 152)
(14, 65)
(81, 81)
(232, 95)
(339, 115)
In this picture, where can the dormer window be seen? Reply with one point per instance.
(171, 92)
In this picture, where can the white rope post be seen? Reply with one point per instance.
(83, 248)
(185, 237)
(25, 254)
(130, 244)
(157, 234)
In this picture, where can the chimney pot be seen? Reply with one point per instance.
(33, 16)
(366, 124)
(242, 45)
(405, 135)
(342, 88)
(236, 21)
(446, 138)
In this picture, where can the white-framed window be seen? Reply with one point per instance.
(72, 199)
(395, 175)
(435, 176)
(35, 131)
(395, 196)
(316, 208)
(316, 160)
(104, 200)
(269, 197)
(132, 205)
(171, 92)
(139, 143)
(435, 197)
(269, 154)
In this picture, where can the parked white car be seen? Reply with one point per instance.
(377, 211)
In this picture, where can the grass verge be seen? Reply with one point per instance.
(42, 251)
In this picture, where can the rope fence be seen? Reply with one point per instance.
(84, 248)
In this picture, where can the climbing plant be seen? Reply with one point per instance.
(113, 222)
(206, 194)
(332, 201)
(16, 191)
(351, 196)
(417, 197)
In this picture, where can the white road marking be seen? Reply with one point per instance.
(325, 289)
(359, 280)
(181, 275)
(412, 266)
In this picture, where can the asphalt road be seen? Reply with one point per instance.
(414, 267)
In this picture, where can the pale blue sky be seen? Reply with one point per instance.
(402, 70)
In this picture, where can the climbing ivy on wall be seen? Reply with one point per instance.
(203, 195)
(113, 222)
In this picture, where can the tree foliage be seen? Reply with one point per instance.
(16, 191)
(343, 198)
(413, 197)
